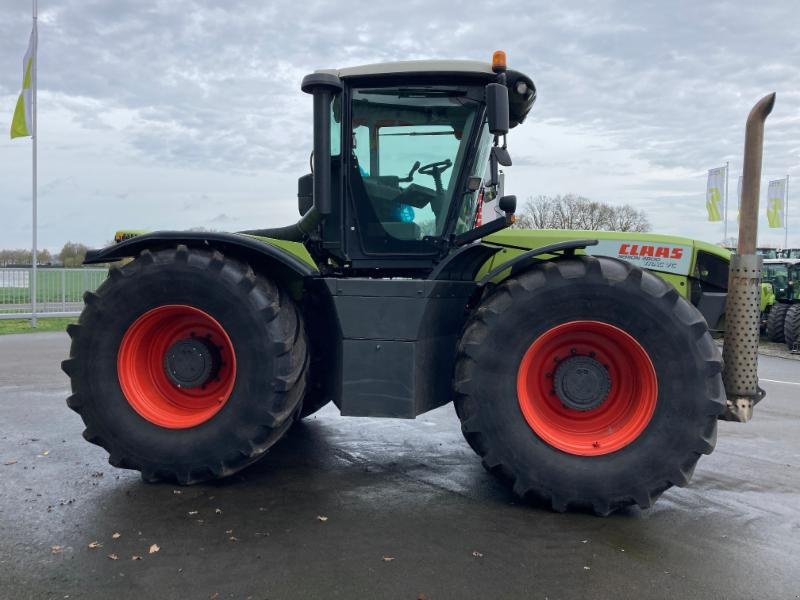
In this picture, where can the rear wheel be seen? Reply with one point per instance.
(589, 384)
(776, 322)
(186, 365)
(792, 326)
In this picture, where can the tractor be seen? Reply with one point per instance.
(583, 381)
(783, 316)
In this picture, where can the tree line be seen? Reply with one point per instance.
(71, 255)
(576, 212)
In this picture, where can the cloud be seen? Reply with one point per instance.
(145, 106)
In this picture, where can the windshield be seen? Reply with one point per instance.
(778, 276)
(410, 146)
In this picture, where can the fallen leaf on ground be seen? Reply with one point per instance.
(95, 544)
(233, 538)
(136, 557)
(192, 512)
(322, 518)
(388, 558)
(56, 549)
(113, 557)
(154, 548)
(116, 535)
(477, 554)
(9, 463)
(46, 452)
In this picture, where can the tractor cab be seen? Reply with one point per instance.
(400, 154)
(784, 276)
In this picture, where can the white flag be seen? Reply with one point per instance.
(714, 191)
(776, 200)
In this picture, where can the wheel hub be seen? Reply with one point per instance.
(581, 383)
(191, 362)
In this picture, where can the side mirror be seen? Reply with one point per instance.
(497, 108)
(498, 156)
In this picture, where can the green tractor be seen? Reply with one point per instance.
(783, 315)
(584, 381)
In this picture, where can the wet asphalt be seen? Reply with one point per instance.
(367, 508)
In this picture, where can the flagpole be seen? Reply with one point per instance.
(725, 218)
(786, 217)
(34, 136)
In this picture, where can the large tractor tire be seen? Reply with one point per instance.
(776, 321)
(588, 384)
(792, 326)
(186, 365)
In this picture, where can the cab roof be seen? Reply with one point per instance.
(520, 97)
(401, 67)
(781, 261)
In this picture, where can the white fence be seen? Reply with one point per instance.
(59, 292)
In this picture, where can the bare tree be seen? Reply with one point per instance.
(576, 212)
(72, 254)
(627, 218)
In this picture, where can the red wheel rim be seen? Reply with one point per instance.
(142, 373)
(628, 405)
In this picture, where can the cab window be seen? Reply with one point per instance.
(409, 147)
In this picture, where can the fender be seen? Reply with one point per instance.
(527, 259)
(281, 263)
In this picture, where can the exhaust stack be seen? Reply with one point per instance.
(740, 352)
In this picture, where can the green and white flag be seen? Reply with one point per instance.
(714, 191)
(22, 122)
(776, 200)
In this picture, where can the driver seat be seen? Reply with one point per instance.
(377, 234)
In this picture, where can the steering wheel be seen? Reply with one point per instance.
(435, 170)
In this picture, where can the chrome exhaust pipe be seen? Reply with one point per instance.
(740, 351)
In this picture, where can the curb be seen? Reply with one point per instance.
(770, 349)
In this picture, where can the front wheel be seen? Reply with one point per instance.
(186, 365)
(589, 384)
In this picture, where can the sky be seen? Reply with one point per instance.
(188, 113)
